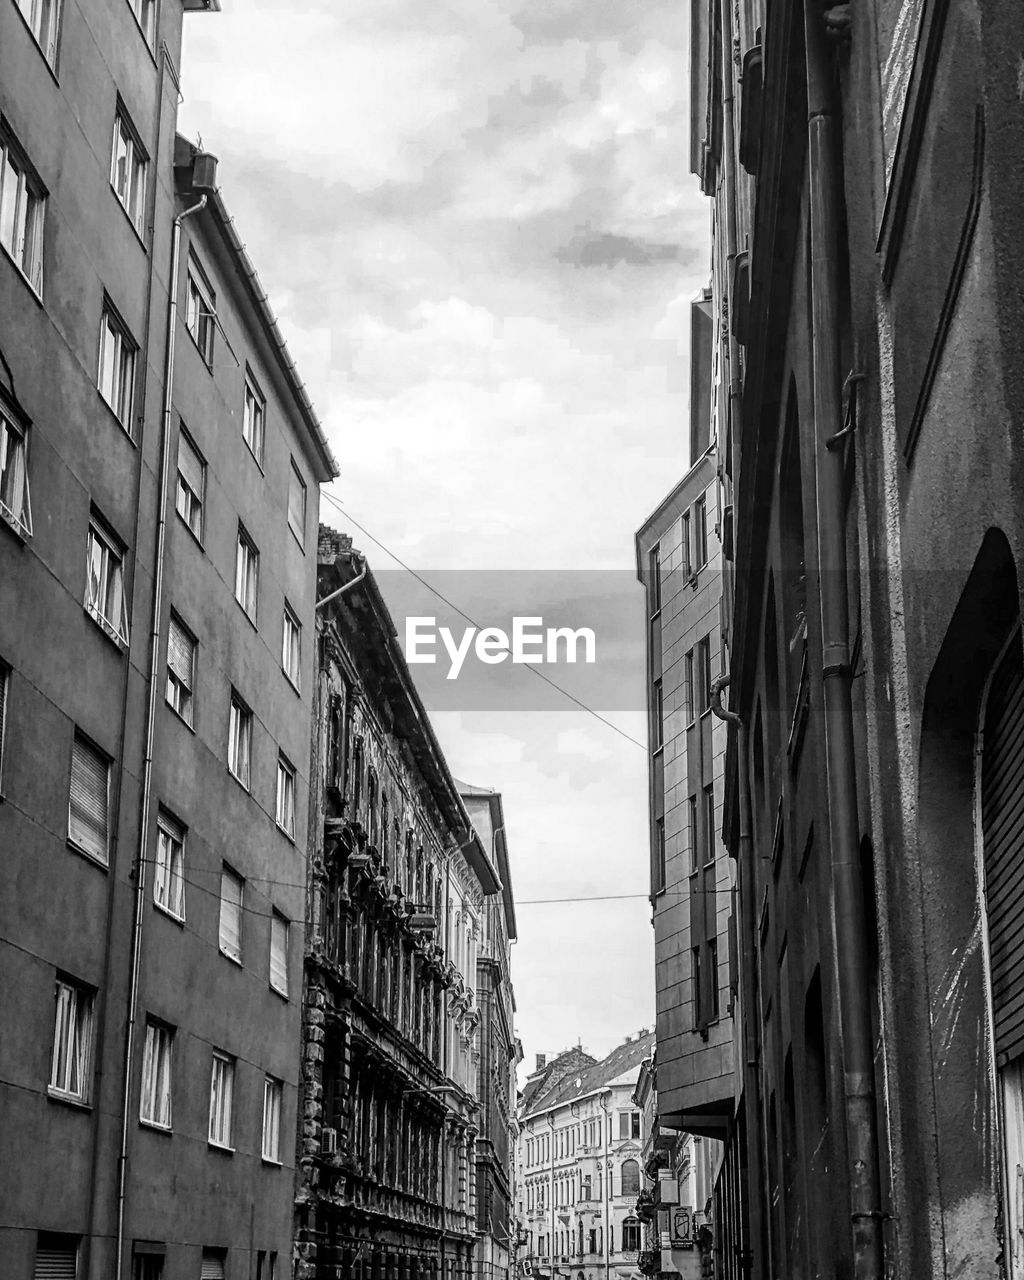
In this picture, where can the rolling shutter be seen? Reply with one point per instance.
(191, 466)
(87, 816)
(180, 652)
(56, 1261)
(1002, 815)
(213, 1266)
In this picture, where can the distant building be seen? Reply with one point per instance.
(581, 1140)
(400, 886)
(158, 525)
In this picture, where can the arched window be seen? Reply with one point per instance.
(630, 1235)
(630, 1178)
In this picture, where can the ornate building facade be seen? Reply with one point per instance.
(399, 883)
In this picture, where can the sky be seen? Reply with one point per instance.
(476, 224)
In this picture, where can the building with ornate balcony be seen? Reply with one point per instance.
(399, 883)
(581, 1138)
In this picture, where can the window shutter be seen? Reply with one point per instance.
(1002, 810)
(180, 653)
(190, 466)
(279, 954)
(231, 914)
(87, 821)
(56, 1263)
(212, 1266)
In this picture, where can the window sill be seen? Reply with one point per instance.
(171, 915)
(88, 854)
(207, 364)
(68, 1100)
(155, 1126)
(196, 538)
(131, 222)
(255, 458)
(219, 1147)
(141, 30)
(236, 960)
(296, 687)
(113, 636)
(300, 541)
(243, 785)
(19, 530)
(271, 1164)
(283, 995)
(288, 835)
(36, 294)
(178, 716)
(110, 409)
(248, 616)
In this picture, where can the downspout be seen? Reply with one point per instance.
(147, 766)
(840, 763)
(606, 1186)
(745, 893)
(342, 589)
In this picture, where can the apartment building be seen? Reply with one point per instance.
(581, 1137)
(157, 580)
(400, 885)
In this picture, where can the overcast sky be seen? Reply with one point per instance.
(476, 224)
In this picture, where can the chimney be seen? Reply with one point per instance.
(542, 1061)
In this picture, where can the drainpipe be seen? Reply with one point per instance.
(847, 886)
(147, 765)
(745, 893)
(347, 586)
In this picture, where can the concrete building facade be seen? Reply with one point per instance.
(154, 731)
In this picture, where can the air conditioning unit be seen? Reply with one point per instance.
(329, 1142)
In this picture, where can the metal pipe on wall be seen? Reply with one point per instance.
(849, 917)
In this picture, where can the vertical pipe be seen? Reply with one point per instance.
(840, 763)
(147, 768)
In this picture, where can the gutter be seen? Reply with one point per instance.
(848, 915)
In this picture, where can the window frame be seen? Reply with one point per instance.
(694, 835)
(654, 572)
(28, 223)
(295, 476)
(174, 834)
(158, 1062)
(72, 1037)
(700, 532)
(273, 1092)
(49, 49)
(254, 422)
(133, 200)
(658, 713)
(286, 774)
(5, 696)
(174, 682)
(80, 740)
(145, 14)
(20, 520)
(279, 920)
(184, 491)
(113, 557)
(200, 310)
(247, 574)
(710, 851)
(294, 649)
(220, 1124)
(240, 714)
(124, 361)
(229, 875)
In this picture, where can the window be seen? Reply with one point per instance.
(254, 413)
(181, 668)
(212, 1264)
(43, 18)
(145, 13)
(117, 366)
(147, 1260)
(631, 1232)
(56, 1257)
(654, 570)
(709, 823)
(22, 205)
(684, 547)
(15, 503)
(285, 797)
(688, 690)
(72, 1042)
(5, 679)
(700, 533)
(629, 1127)
(658, 716)
(128, 163)
(88, 819)
(704, 674)
(713, 965)
(266, 1265)
(191, 493)
(247, 573)
(692, 829)
(231, 886)
(279, 953)
(239, 740)
(297, 504)
(169, 869)
(222, 1087)
(291, 646)
(104, 583)
(200, 316)
(695, 979)
(155, 1104)
(659, 855)
(272, 1092)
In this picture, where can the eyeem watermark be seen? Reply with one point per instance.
(530, 643)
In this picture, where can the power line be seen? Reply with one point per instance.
(472, 621)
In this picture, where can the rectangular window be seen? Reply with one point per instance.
(688, 689)
(254, 415)
(155, 1102)
(191, 493)
(291, 646)
(692, 829)
(15, 502)
(169, 868)
(128, 163)
(56, 1257)
(88, 818)
(285, 797)
(704, 674)
(105, 600)
(72, 1042)
(43, 18)
(684, 547)
(200, 313)
(279, 953)
(297, 504)
(659, 855)
(634, 1131)
(247, 573)
(658, 716)
(212, 1264)
(239, 740)
(222, 1087)
(22, 208)
(700, 533)
(181, 668)
(231, 887)
(147, 1260)
(272, 1093)
(713, 965)
(654, 571)
(695, 979)
(145, 13)
(116, 379)
(5, 680)
(709, 823)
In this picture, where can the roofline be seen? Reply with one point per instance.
(500, 846)
(674, 493)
